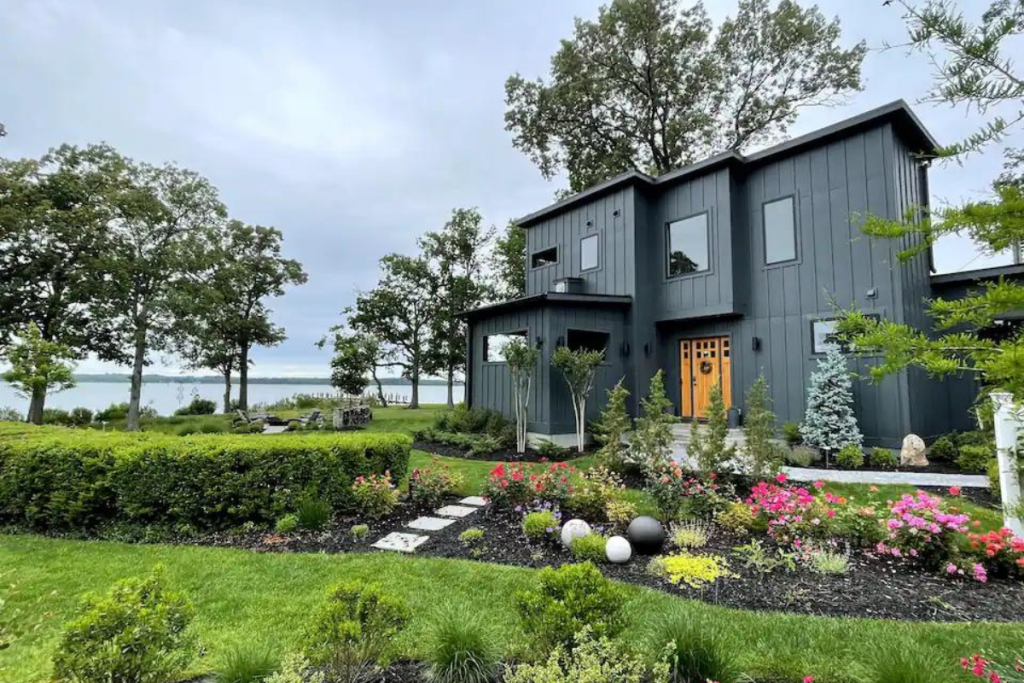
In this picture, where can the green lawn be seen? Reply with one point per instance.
(266, 598)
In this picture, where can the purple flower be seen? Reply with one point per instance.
(550, 530)
(519, 508)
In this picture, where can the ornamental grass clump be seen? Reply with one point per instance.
(696, 571)
(313, 514)
(567, 600)
(690, 534)
(247, 664)
(692, 651)
(919, 529)
(461, 648)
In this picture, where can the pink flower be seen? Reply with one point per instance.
(951, 568)
(954, 490)
(818, 485)
(808, 679)
(980, 574)
(781, 477)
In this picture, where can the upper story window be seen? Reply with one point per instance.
(588, 252)
(688, 246)
(494, 345)
(587, 340)
(779, 231)
(544, 257)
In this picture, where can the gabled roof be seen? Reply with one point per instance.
(898, 113)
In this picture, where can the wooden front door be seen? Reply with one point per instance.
(703, 364)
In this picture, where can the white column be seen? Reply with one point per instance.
(1008, 422)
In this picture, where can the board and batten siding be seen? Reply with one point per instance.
(616, 257)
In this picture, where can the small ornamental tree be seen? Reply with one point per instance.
(521, 359)
(829, 423)
(38, 367)
(651, 445)
(579, 368)
(613, 424)
(708, 445)
(762, 455)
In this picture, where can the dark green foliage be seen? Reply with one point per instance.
(351, 634)
(895, 664)
(471, 420)
(472, 444)
(137, 633)
(567, 600)
(791, 432)
(709, 444)
(975, 458)
(850, 456)
(763, 456)
(247, 664)
(461, 648)
(287, 524)
(115, 411)
(589, 548)
(198, 406)
(52, 478)
(313, 514)
(612, 425)
(699, 651)
(884, 459)
(945, 449)
(551, 450)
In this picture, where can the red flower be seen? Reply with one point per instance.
(954, 490)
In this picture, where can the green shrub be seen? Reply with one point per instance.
(296, 669)
(313, 514)
(461, 648)
(464, 420)
(695, 651)
(791, 433)
(375, 496)
(81, 417)
(567, 600)
(801, 456)
(247, 664)
(293, 426)
(589, 548)
(884, 459)
(471, 536)
(992, 472)
(591, 661)
(351, 634)
(850, 456)
(944, 448)
(359, 532)
(287, 524)
(551, 450)
(137, 633)
(827, 561)
(198, 406)
(594, 490)
(430, 486)
(737, 518)
(975, 458)
(115, 411)
(539, 526)
(57, 416)
(53, 478)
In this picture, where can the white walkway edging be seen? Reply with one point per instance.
(903, 478)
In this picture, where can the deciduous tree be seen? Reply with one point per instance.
(521, 360)
(508, 263)
(38, 366)
(579, 367)
(651, 86)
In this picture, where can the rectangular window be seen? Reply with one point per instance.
(688, 247)
(587, 340)
(545, 257)
(494, 345)
(779, 231)
(588, 252)
(823, 334)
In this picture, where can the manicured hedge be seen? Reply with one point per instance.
(54, 478)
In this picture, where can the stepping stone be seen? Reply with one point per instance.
(475, 501)
(403, 543)
(455, 511)
(430, 523)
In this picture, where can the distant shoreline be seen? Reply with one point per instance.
(212, 379)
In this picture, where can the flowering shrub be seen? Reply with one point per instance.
(512, 484)
(793, 513)
(999, 551)
(682, 494)
(696, 571)
(594, 490)
(429, 487)
(919, 528)
(984, 668)
(375, 496)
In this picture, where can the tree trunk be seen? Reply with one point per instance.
(451, 389)
(380, 389)
(135, 395)
(36, 405)
(227, 391)
(243, 378)
(415, 402)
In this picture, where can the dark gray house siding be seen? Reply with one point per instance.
(835, 177)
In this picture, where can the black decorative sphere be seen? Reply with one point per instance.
(646, 534)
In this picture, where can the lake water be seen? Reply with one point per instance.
(166, 397)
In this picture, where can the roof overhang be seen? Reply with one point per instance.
(967, 277)
(550, 299)
(898, 113)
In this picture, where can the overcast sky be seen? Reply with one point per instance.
(353, 127)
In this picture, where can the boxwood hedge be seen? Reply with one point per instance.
(55, 478)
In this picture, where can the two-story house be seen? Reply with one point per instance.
(726, 268)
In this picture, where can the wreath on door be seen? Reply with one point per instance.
(706, 367)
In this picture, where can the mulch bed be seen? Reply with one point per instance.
(503, 455)
(933, 467)
(875, 586)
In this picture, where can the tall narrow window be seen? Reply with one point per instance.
(779, 231)
(588, 252)
(688, 249)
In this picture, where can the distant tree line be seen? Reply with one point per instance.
(105, 255)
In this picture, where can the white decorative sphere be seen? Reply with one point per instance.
(573, 529)
(618, 550)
